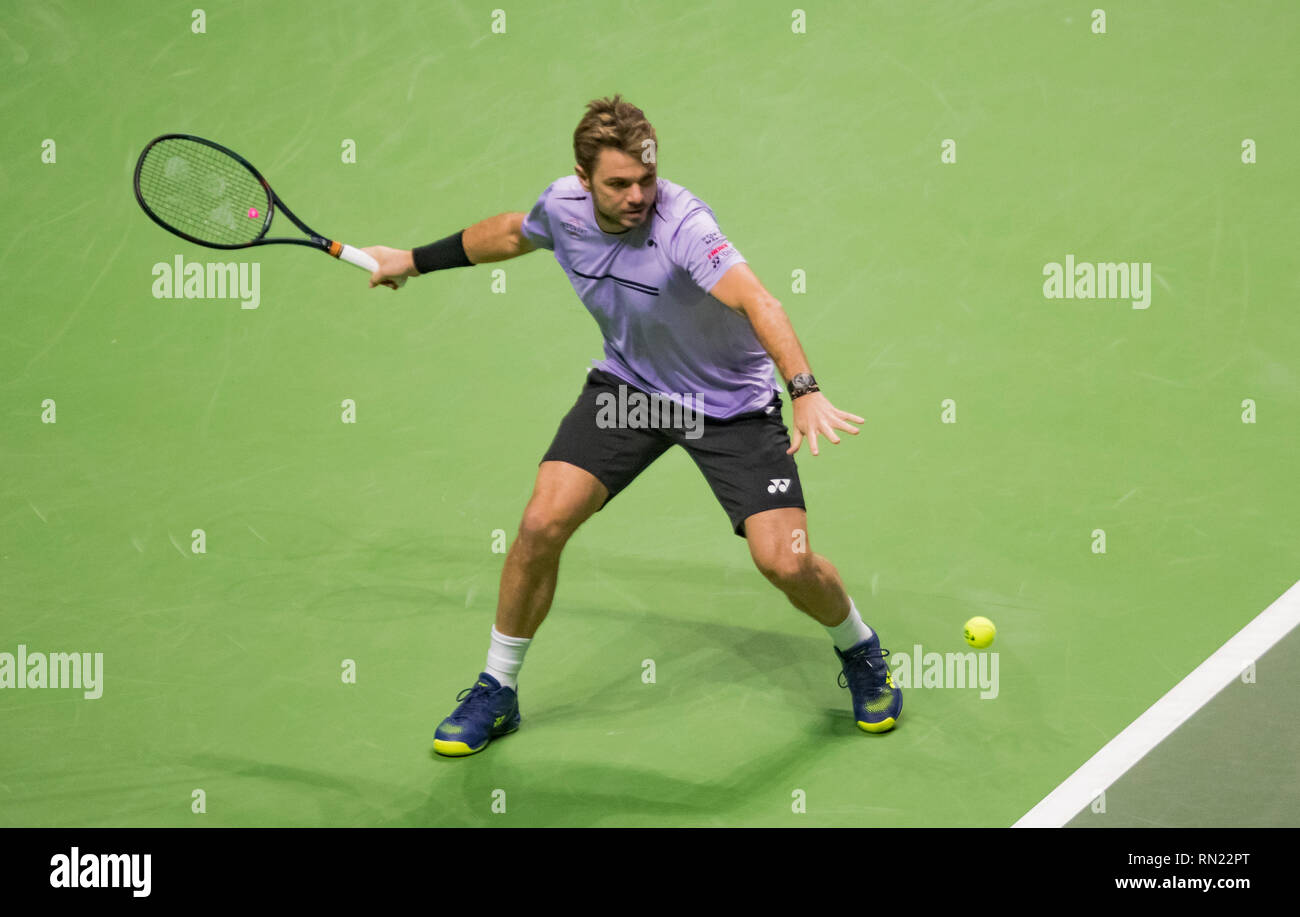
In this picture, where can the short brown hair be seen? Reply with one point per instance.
(611, 123)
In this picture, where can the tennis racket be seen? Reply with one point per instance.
(212, 196)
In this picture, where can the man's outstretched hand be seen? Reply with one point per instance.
(395, 265)
(814, 414)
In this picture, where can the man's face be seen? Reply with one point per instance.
(622, 189)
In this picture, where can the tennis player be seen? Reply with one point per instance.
(688, 330)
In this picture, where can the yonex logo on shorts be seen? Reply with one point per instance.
(778, 484)
(636, 410)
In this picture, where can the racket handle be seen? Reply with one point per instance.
(359, 258)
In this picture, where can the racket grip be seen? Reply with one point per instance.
(360, 259)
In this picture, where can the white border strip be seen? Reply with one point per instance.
(1166, 714)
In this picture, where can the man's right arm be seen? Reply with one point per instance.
(494, 239)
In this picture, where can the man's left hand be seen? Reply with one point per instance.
(813, 415)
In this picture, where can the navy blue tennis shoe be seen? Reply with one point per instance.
(877, 703)
(487, 711)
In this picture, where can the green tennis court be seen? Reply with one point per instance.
(293, 669)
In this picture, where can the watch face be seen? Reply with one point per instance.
(802, 384)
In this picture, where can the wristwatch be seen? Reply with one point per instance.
(802, 384)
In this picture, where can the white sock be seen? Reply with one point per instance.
(851, 632)
(506, 657)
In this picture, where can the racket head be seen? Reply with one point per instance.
(203, 192)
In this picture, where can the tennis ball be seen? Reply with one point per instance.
(980, 632)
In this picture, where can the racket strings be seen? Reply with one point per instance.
(203, 192)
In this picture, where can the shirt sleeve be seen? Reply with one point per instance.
(700, 248)
(536, 227)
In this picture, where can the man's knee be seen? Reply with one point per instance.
(544, 531)
(783, 566)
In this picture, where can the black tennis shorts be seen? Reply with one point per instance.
(743, 458)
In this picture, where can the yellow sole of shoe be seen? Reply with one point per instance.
(877, 728)
(455, 749)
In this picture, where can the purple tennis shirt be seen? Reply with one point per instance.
(648, 289)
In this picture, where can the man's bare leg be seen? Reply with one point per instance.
(778, 542)
(564, 497)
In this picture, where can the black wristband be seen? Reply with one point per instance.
(445, 253)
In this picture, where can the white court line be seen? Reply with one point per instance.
(1166, 714)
